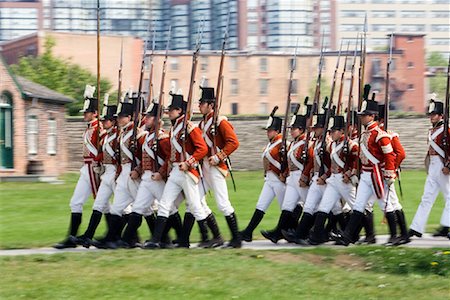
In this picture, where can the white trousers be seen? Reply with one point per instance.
(273, 187)
(82, 190)
(436, 181)
(148, 193)
(335, 190)
(294, 193)
(215, 181)
(106, 189)
(125, 191)
(366, 194)
(315, 194)
(178, 182)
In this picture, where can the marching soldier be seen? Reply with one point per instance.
(393, 198)
(182, 173)
(149, 189)
(108, 178)
(438, 176)
(317, 187)
(88, 182)
(273, 180)
(295, 196)
(378, 172)
(344, 156)
(214, 166)
(127, 182)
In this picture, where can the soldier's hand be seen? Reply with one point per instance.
(446, 170)
(183, 166)
(156, 177)
(346, 179)
(134, 175)
(320, 181)
(390, 181)
(213, 160)
(302, 184)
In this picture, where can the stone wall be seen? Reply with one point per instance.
(252, 138)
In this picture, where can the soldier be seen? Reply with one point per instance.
(438, 176)
(127, 182)
(108, 178)
(88, 182)
(378, 172)
(393, 198)
(273, 178)
(317, 187)
(214, 166)
(155, 150)
(182, 170)
(295, 196)
(344, 156)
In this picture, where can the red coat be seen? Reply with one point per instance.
(378, 143)
(125, 141)
(107, 153)
(272, 155)
(312, 165)
(399, 151)
(438, 140)
(90, 140)
(350, 159)
(196, 148)
(162, 153)
(297, 153)
(225, 138)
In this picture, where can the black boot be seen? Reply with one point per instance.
(203, 227)
(341, 220)
(332, 223)
(176, 224)
(130, 236)
(124, 222)
(155, 241)
(319, 234)
(441, 231)
(151, 220)
(347, 236)
(401, 220)
(235, 241)
(85, 239)
(300, 235)
(217, 239)
(69, 242)
(110, 240)
(275, 235)
(247, 233)
(369, 228)
(188, 223)
(166, 241)
(392, 223)
(296, 214)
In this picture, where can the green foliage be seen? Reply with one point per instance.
(59, 74)
(436, 59)
(438, 84)
(325, 90)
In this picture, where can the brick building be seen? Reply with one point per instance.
(32, 125)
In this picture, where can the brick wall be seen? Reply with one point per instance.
(252, 137)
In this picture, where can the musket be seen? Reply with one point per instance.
(187, 115)
(150, 77)
(386, 94)
(328, 113)
(283, 150)
(362, 62)
(445, 144)
(160, 104)
(341, 87)
(119, 89)
(98, 74)
(350, 104)
(314, 105)
(137, 106)
(219, 89)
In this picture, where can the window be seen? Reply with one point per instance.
(293, 107)
(33, 131)
(204, 64)
(234, 87)
(173, 85)
(263, 64)
(263, 86)
(233, 64)
(234, 108)
(410, 64)
(263, 108)
(51, 137)
(294, 87)
(291, 63)
(174, 64)
(410, 86)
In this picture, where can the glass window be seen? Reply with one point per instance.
(51, 137)
(263, 64)
(32, 136)
(263, 86)
(234, 87)
(174, 64)
(233, 63)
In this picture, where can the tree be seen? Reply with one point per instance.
(438, 83)
(325, 91)
(59, 75)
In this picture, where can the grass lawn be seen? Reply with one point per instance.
(37, 215)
